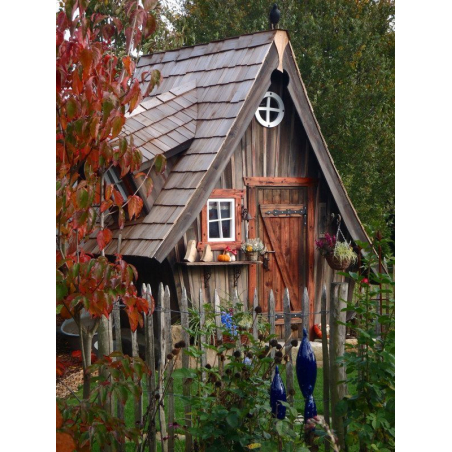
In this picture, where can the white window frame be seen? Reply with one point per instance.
(232, 219)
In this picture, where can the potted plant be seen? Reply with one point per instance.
(339, 255)
(252, 248)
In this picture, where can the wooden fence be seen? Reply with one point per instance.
(158, 344)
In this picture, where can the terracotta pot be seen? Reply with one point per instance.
(227, 339)
(337, 264)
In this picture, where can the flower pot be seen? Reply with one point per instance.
(252, 256)
(337, 264)
(229, 339)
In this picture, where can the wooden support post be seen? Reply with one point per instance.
(288, 348)
(326, 365)
(186, 365)
(169, 383)
(271, 316)
(162, 340)
(338, 294)
(150, 361)
(255, 316)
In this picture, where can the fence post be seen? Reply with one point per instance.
(288, 348)
(186, 365)
(326, 365)
(202, 322)
(217, 310)
(118, 347)
(169, 383)
(255, 315)
(162, 341)
(150, 361)
(305, 311)
(138, 407)
(338, 294)
(271, 316)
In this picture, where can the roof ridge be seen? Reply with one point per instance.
(212, 42)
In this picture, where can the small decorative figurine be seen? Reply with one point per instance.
(306, 367)
(277, 395)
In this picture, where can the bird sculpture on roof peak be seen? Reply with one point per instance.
(275, 15)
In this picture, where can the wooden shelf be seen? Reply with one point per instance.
(219, 264)
(207, 268)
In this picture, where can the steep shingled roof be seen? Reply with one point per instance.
(220, 75)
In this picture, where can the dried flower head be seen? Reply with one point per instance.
(286, 358)
(169, 356)
(249, 355)
(237, 354)
(237, 375)
(294, 343)
(278, 360)
(260, 337)
(273, 342)
(278, 347)
(218, 384)
(175, 351)
(228, 371)
(294, 327)
(258, 309)
(278, 354)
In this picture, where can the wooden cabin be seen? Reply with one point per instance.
(245, 156)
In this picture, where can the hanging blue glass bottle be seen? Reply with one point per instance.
(278, 395)
(306, 368)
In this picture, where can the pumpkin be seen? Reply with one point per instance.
(317, 331)
(224, 258)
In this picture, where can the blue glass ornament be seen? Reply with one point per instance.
(306, 368)
(278, 394)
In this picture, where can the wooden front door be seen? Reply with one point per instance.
(281, 223)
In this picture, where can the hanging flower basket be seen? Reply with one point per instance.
(336, 263)
(339, 255)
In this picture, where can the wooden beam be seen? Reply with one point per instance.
(280, 181)
(311, 256)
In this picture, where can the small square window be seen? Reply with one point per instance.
(221, 219)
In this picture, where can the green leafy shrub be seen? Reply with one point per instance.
(370, 411)
(230, 401)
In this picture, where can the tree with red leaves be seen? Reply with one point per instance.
(95, 89)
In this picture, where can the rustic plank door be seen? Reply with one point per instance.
(281, 224)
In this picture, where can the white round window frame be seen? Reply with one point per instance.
(270, 95)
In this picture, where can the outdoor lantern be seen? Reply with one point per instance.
(306, 368)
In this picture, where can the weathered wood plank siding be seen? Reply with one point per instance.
(282, 151)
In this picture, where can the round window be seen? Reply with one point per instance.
(271, 110)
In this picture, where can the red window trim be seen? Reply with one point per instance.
(237, 195)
